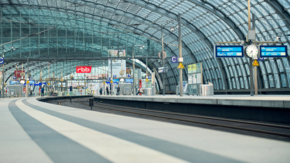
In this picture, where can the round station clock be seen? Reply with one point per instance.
(252, 51)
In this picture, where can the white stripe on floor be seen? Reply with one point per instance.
(110, 147)
(15, 143)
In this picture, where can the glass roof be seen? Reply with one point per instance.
(76, 28)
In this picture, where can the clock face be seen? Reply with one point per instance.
(252, 51)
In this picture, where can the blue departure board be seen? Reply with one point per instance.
(273, 51)
(229, 51)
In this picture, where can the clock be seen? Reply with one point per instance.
(252, 51)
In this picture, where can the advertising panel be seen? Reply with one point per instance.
(194, 68)
(116, 53)
(83, 69)
(93, 76)
(118, 68)
(17, 74)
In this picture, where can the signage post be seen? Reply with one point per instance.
(26, 94)
(180, 59)
(3, 81)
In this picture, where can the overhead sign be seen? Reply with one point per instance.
(229, 51)
(180, 66)
(32, 82)
(116, 81)
(83, 69)
(162, 70)
(1, 60)
(14, 82)
(273, 51)
(129, 80)
(256, 63)
(173, 59)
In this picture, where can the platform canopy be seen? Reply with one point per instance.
(76, 29)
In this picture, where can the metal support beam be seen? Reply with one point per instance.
(180, 54)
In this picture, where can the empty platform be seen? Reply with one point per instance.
(34, 131)
(267, 101)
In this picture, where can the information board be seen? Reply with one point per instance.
(229, 51)
(273, 51)
(129, 80)
(194, 73)
(194, 68)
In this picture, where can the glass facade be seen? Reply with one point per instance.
(58, 29)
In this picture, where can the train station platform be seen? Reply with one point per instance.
(263, 108)
(35, 131)
(267, 101)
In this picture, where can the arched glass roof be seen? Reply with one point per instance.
(89, 27)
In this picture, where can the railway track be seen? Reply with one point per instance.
(272, 129)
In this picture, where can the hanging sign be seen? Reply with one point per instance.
(180, 66)
(229, 51)
(256, 63)
(83, 69)
(1, 60)
(273, 51)
(173, 59)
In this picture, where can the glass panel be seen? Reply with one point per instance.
(283, 80)
(242, 82)
(265, 79)
(271, 81)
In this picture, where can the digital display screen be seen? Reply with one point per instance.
(129, 80)
(273, 51)
(14, 82)
(229, 51)
(116, 80)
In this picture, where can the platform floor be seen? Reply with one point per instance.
(33, 131)
(273, 101)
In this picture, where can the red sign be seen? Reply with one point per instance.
(17, 74)
(83, 69)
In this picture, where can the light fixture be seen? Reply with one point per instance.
(172, 29)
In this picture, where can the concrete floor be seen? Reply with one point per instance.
(33, 131)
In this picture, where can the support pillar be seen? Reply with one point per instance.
(180, 54)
